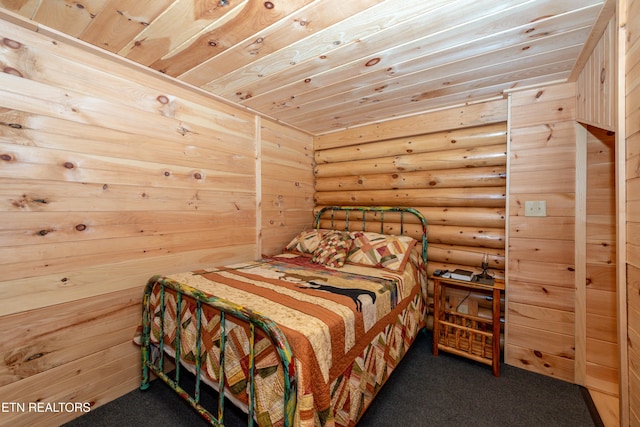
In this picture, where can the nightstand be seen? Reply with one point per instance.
(466, 334)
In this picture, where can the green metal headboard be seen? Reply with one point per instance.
(381, 210)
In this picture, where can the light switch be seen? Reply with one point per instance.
(535, 208)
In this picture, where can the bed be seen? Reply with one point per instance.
(306, 337)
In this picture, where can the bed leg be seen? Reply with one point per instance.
(145, 339)
(144, 384)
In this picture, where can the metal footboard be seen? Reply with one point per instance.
(226, 309)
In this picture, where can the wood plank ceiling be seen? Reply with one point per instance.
(325, 65)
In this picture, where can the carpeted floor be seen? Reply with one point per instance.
(423, 391)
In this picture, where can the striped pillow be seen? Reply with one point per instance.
(306, 242)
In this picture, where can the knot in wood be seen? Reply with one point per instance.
(13, 71)
(34, 356)
(372, 62)
(11, 44)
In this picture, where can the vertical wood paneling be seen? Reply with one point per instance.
(107, 176)
(542, 167)
(632, 133)
(596, 84)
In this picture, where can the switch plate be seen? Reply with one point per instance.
(535, 208)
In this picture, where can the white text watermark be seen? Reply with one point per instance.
(6, 407)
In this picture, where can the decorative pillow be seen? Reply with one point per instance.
(333, 249)
(306, 242)
(380, 250)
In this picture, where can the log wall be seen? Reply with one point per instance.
(541, 271)
(632, 120)
(450, 165)
(109, 174)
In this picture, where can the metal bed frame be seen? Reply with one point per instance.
(255, 320)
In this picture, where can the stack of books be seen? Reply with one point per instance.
(459, 274)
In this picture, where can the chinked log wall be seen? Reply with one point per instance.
(450, 165)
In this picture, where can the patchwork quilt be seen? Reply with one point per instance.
(348, 328)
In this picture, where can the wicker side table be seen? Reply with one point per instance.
(465, 334)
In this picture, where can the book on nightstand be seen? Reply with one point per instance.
(459, 274)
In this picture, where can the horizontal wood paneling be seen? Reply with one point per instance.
(602, 356)
(286, 171)
(541, 273)
(555, 297)
(63, 333)
(118, 371)
(548, 353)
(534, 316)
(107, 176)
(35, 291)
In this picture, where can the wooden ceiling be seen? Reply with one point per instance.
(325, 65)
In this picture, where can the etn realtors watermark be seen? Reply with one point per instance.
(53, 407)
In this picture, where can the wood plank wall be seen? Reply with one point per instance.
(601, 318)
(109, 174)
(450, 165)
(287, 185)
(595, 100)
(541, 270)
(597, 316)
(632, 92)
